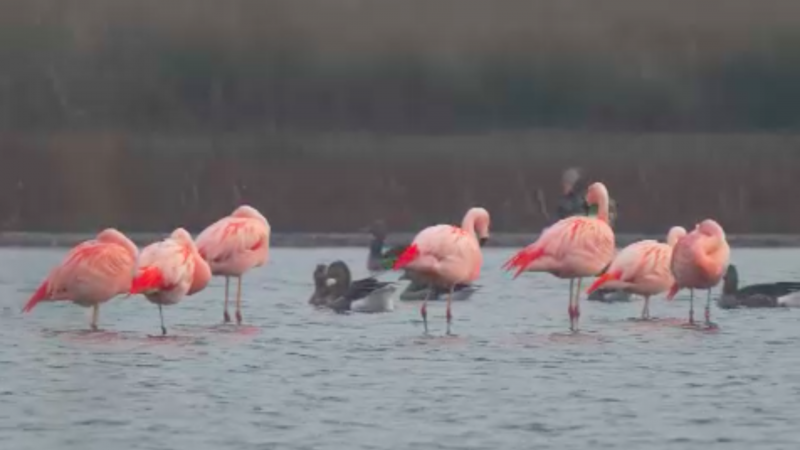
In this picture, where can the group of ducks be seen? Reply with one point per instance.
(442, 260)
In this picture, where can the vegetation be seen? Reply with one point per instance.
(327, 114)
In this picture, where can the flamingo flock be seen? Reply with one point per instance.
(445, 256)
(165, 272)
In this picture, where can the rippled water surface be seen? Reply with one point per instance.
(294, 377)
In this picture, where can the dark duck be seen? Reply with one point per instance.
(334, 289)
(764, 295)
(380, 260)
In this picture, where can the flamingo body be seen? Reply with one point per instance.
(237, 243)
(642, 268)
(92, 273)
(169, 270)
(574, 247)
(448, 255)
(699, 261)
(233, 245)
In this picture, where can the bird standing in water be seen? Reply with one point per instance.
(642, 268)
(169, 270)
(92, 273)
(447, 255)
(232, 246)
(573, 248)
(699, 261)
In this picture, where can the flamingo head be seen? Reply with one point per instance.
(710, 227)
(248, 212)
(182, 236)
(596, 194)
(479, 220)
(674, 235)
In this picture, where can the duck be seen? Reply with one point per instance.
(380, 260)
(764, 295)
(418, 289)
(335, 290)
(610, 296)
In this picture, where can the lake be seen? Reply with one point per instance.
(297, 378)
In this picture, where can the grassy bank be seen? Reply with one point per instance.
(340, 182)
(316, 240)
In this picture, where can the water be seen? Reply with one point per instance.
(305, 379)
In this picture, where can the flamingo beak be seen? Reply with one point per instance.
(482, 241)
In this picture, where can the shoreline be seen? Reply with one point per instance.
(311, 240)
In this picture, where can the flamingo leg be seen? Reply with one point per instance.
(449, 315)
(577, 307)
(226, 317)
(423, 310)
(691, 306)
(95, 316)
(571, 308)
(239, 302)
(708, 309)
(646, 308)
(161, 314)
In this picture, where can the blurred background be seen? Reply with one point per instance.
(327, 114)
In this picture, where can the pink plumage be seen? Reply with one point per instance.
(699, 261)
(92, 273)
(574, 247)
(233, 245)
(170, 269)
(642, 268)
(447, 255)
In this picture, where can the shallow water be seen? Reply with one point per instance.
(294, 377)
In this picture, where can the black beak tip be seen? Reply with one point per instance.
(482, 241)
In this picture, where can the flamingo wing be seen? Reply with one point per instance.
(577, 235)
(90, 266)
(162, 266)
(229, 237)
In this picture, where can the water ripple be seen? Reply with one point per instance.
(299, 378)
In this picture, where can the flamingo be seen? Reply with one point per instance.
(447, 255)
(699, 261)
(169, 270)
(232, 246)
(574, 247)
(92, 273)
(642, 268)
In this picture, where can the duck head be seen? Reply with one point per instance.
(730, 280)
(338, 278)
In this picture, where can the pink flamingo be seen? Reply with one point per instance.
(699, 261)
(232, 246)
(574, 247)
(169, 270)
(447, 255)
(642, 268)
(92, 273)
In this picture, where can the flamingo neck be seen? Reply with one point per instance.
(468, 224)
(602, 208)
